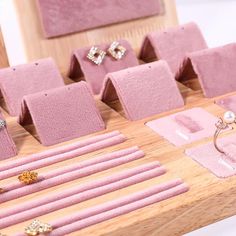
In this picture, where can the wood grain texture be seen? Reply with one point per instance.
(3, 54)
(209, 199)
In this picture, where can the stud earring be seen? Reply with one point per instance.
(28, 177)
(116, 50)
(37, 228)
(2, 124)
(96, 55)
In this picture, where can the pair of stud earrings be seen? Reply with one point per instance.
(116, 50)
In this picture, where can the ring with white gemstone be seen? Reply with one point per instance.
(228, 119)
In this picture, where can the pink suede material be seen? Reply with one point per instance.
(76, 190)
(81, 66)
(143, 90)
(186, 126)
(228, 103)
(36, 164)
(123, 182)
(172, 45)
(215, 69)
(69, 176)
(21, 80)
(62, 149)
(64, 17)
(219, 164)
(7, 145)
(62, 114)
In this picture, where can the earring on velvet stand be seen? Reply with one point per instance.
(116, 50)
(96, 55)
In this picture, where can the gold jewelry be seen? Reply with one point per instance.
(222, 124)
(116, 50)
(96, 55)
(37, 228)
(2, 124)
(28, 177)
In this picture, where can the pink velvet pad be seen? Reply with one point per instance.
(219, 164)
(21, 80)
(77, 189)
(7, 145)
(186, 126)
(215, 69)
(21, 191)
(228, 103)
(81, 66)
(124, 181)
(143, 90)
(36, 164)
(172, 45)
(64, 17)
(84, 145)
(62, 114)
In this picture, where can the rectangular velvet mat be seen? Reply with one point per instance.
(65, 17)
(228, 103)
(186, 126)
(221, 165)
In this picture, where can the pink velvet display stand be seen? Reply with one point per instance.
(172, 45)
(215, 69)
(185, 127)
(81, 66)
(228, 103)
(62, 114)
(21, 80)
(7, 146)
(64, 17)
(143, 90)
(221, 165)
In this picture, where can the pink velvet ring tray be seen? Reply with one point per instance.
(34, 163)
(109, 210)
(20, 190)
(228, 103)
(81, 66)
(124, 179)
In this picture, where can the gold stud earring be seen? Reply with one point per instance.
(96, 55)
(116, 50)
(2, 124)
(37, 228)
(28, 177)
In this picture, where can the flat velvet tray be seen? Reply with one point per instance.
(209, 195)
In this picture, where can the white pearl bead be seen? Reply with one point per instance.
(229, 117)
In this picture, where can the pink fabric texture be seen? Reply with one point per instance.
(215, 69)
(219, 164)
(62, 114)
(42, 162)
(64, 17)
(21, 80)
(76, 190)
(143, 90)
(81, 66)
(121, 206)
(185, 127)
(172, 45)
(125, 179)
(69, 176)
(7, 145)
(228, 103)
(62, 149)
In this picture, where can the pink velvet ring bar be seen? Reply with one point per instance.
(109, 210)
(62, 114)
(62, 157)
(143, 90)
(215, 69)
(60, 150)
(7, 145)
(65, 17)
(21, 80)
(185, 127)
(81, 66)
(70, 176)
(78, 189)
(172, 45)
(86, 195)
(228, 103)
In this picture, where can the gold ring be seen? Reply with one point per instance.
(222, 124)
(28, 177)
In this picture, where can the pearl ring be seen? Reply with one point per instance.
(229, 118)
